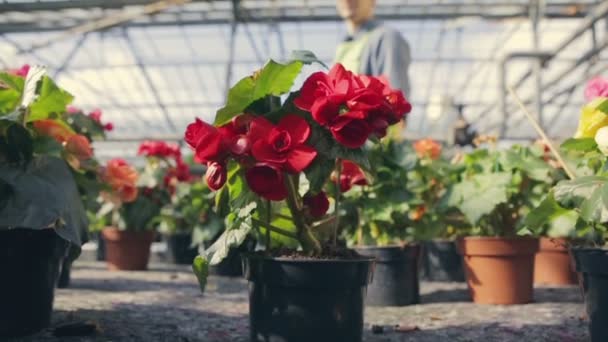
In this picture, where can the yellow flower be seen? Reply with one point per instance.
(591, 119)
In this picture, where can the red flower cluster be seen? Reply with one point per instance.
(265, 149)
(159, 149)
(96, 116)
(352, 107)
(317, 204)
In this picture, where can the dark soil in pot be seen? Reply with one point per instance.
(30, 261)
(304, 300)
(593, 265)
(396, 275)
(179, 250)
(441, 261)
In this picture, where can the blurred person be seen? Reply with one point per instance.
(372, 48)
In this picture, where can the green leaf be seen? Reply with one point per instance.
(306, 57)
(571, 193)
(51, 99)
(549, 218)
(232, 237)
(583, 144)
(274, 79)
(593, 209)
(11, 88)
(319, 172)
(603, 107)
(200, 266)
(480, 195)
(20, 147)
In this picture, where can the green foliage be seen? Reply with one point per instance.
(274, 79)
(51, 100)
(200, 266)
(11, 88)
(306, 57)
(401, 204)
(497, 189)
(582, 144)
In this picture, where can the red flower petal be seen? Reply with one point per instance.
(300, 158)
(266, 181)
(264, 152)
(296, 126)
(326, 109)
(259, 128)
(350, 132)
(310, 90)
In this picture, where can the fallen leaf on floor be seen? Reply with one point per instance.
(406, 328)
(436, 318)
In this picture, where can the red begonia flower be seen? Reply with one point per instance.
(351, 174)
(284, 144)
(267, 181)
(206, 140)
(216, 175)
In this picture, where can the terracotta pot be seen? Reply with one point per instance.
(499, 270)
(553, 265)
(127, 250)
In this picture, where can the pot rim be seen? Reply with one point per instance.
(496, 238)
(361, 259)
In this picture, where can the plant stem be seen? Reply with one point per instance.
(275, 229)
(309, 242)
(268, 220)
(337, 197)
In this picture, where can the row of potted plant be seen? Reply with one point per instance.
(299, 177)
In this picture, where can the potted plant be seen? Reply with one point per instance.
(495, 192)
(89, 186)
(378, 222)
(553, 264)
(584, 194)
(429, 176)
(127, 212)
(269, 161)
(41, 214)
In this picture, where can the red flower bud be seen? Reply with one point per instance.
(216, 175)
(317, 204)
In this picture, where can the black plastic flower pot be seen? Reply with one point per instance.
(441, 261)
(396, 275)
(592, 263)
(304, 300)
(30, 261)
(179, 250)
(65, 275)
(101, 248)
(231, 266)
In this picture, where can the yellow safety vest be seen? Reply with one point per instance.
(349, 53)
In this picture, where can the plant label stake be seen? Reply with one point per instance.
(542, 134)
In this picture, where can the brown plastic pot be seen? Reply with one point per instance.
(553, 265)
(127, 250)
(499, 270)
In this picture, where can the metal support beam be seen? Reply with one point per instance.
(109, 21)
(70, 56)
(231, 45)
(149, 82)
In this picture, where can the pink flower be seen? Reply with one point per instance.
(596, 87)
